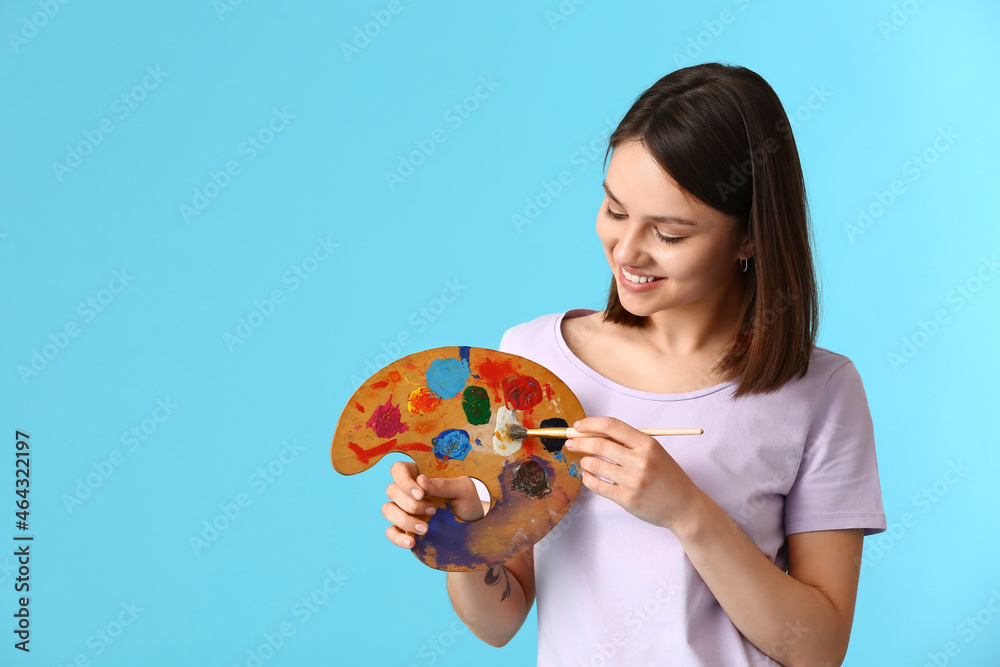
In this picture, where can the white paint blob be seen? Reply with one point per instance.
(503, 444)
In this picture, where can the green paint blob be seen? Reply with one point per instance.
(476, 403)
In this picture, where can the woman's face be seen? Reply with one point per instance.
(645, 238)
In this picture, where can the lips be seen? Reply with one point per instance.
(639, 278)
(637, 282)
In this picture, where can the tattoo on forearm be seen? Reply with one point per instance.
(493, 576)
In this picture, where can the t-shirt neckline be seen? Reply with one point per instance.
(614, 386)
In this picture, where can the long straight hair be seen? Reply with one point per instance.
(721, 133)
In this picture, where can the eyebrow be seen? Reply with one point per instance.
(668, 219)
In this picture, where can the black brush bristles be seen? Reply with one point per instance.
(517, 432)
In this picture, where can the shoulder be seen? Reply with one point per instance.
(516, 337)
(829, 376)
(824, 362)
(541, 331)
(827, 366)
(836, 395)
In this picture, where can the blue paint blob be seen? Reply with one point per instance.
(558, 456)
(463, 354)
(573, 471)
(448, 539)
(451, 443)
(447, 377)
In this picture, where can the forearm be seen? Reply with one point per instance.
(792, 622)
(492, 603)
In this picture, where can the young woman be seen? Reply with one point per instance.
(740, 546)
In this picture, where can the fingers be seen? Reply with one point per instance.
(399, 538)
(403, 474)
(603, 447)
(448, 487)
(614, 429)
(599, 467)
(407, 502)
(406, 508)
(409, 494)
(402, 523)
(601, 487)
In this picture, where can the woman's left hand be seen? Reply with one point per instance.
(644, 479)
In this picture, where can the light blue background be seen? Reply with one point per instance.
(323, 176)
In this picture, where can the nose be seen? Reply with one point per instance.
(630, 250)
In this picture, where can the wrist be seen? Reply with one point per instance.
(696, 514)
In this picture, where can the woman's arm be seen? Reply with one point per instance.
(800, 618)
(493, 603)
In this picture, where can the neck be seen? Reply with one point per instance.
(697, 328)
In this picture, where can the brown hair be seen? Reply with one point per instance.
(721, 133)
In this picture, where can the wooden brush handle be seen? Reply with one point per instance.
(571, 432)
(672, 431)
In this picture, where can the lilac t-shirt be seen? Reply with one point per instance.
(612, 589)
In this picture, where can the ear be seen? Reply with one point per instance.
(746, 245)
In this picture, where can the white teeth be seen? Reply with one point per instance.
(638, 279)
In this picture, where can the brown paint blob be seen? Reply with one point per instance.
(530, 479)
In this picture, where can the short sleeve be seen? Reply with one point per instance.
(837, 485)
(516, 340)
(505, 341)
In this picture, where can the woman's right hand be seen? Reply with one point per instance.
(409, 505)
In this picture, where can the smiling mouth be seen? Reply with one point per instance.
(639, 280)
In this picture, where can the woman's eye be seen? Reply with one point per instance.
(620, 216)
(611, 214)
(667, 239)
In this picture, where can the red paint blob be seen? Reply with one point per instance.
(386, 420)
(360, 407)
(380, 385)
(522, 393)
(493, 374)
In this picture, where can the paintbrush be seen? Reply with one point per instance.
(518, 432)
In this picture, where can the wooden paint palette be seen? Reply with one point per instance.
(441, 407)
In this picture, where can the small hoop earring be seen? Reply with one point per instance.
(744, 263)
